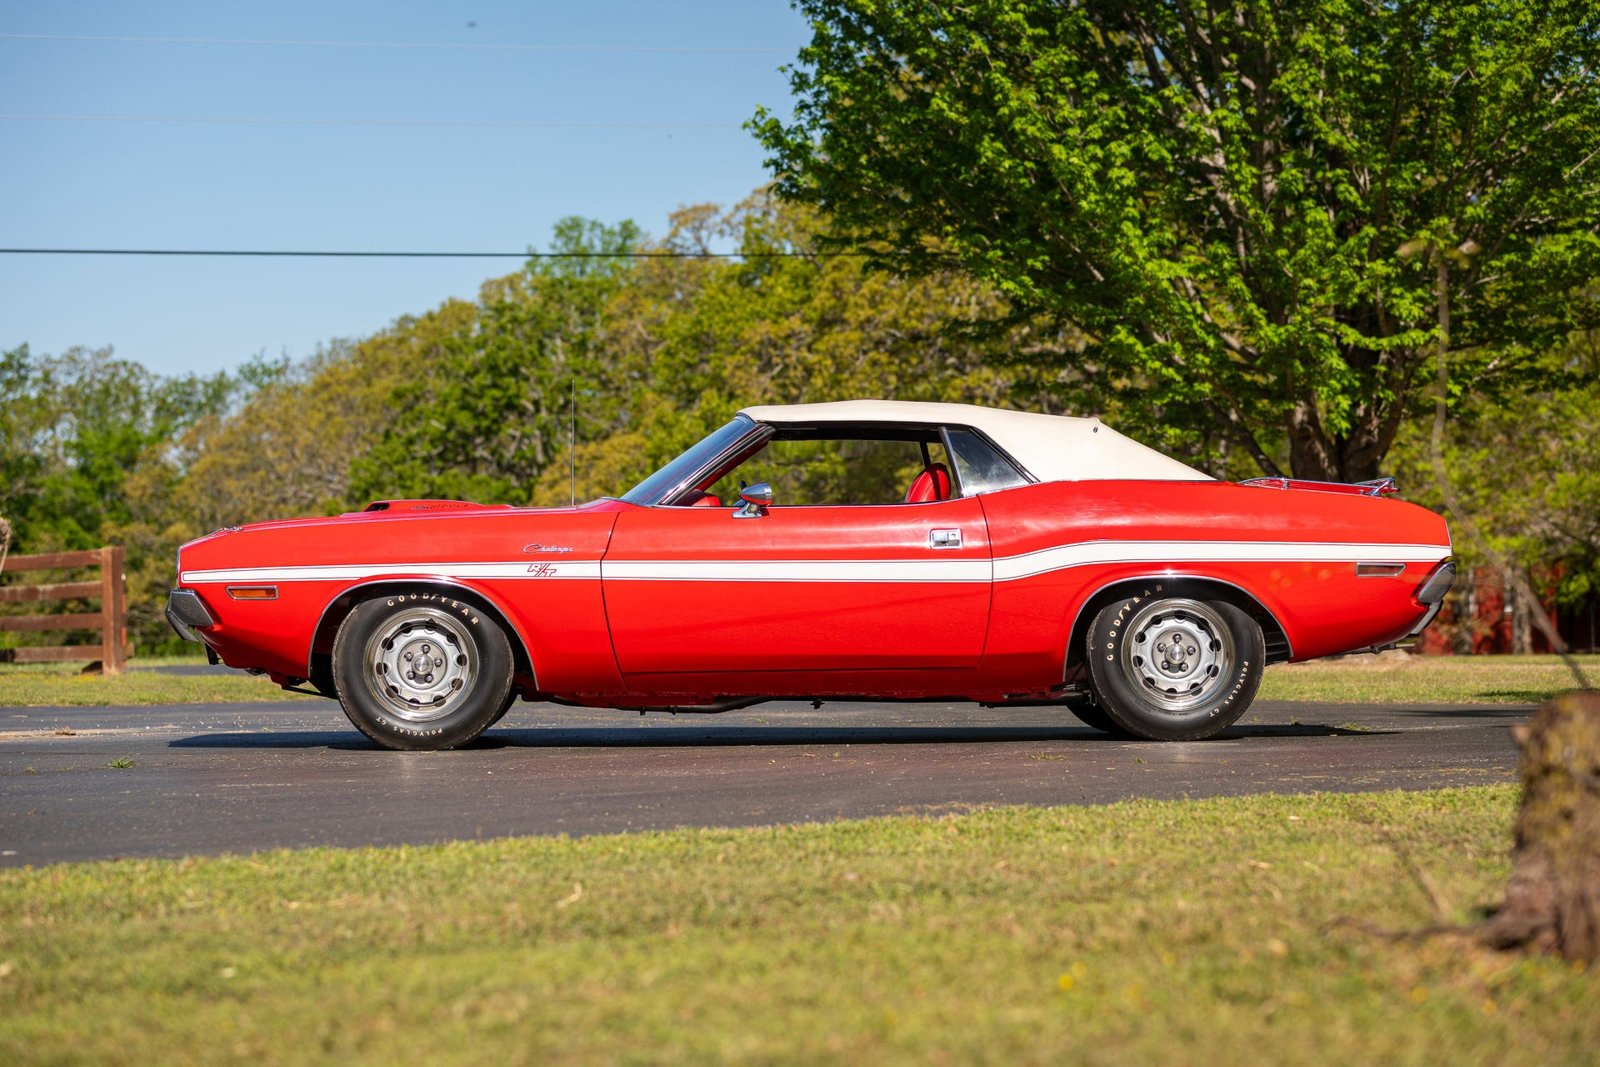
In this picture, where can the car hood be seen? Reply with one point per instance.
(387, 511)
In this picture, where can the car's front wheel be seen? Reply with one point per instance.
(1095, 718)
(421, 670)
(1174, 668)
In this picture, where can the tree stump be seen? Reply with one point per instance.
(1552, 902)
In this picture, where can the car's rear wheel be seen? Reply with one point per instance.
(421, 670)
(1174, 668)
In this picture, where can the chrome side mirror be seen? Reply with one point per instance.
(757, 499)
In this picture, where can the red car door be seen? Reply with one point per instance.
(805, 590)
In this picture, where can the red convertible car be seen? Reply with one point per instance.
(865, 549)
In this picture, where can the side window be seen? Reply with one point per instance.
(981, 467)
(832, 471)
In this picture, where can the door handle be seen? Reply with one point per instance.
(944, 538)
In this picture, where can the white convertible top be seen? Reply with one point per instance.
(1053, 448)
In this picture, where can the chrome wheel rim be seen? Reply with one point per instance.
(1178, 654)
(420, 664)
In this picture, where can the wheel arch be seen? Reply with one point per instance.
(338, 609)
(1199, 587)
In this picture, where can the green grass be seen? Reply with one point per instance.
(1395, 678)
(64, 685)
(1144, 932)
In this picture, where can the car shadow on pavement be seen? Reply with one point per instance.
(1456, 711)
(695, 736)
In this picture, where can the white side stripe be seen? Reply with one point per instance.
(1009, 568)
(341, 573)
(1055, 559)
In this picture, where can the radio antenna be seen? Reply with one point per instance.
(572, 453)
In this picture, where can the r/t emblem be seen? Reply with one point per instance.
(542, 570)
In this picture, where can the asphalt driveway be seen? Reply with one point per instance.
(245, 777)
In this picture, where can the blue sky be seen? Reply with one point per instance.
(149, 184)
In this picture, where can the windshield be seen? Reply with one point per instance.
(656, 488)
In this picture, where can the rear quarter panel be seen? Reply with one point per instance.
(1295, 552)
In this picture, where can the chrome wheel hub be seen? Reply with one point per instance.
(420, 664)
(1178, 653)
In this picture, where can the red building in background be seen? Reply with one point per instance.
(1484, 614)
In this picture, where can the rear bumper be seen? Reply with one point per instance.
(186, 612)
(1431, 593)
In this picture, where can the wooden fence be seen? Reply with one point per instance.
(110, 621)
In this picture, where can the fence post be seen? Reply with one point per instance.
(113, 612)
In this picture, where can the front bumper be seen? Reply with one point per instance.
(187, 613)
(1431, 593)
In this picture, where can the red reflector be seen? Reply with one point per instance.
(253, 592)
(1379, 570)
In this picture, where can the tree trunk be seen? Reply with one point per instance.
(1467, 640)
(1315, 455)
(1521, 618)
(1552, 902)
(1311, 454)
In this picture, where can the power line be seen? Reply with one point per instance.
(402, 45)
(261, 120)
(426, 255)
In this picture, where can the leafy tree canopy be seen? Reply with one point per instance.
(77, 432)
(658, 351)
(1253, 210)
(1527, 469)
(485, 416)
(72, 428)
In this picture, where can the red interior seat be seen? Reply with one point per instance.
(932, 484)
(705, 500)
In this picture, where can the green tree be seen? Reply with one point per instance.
(656, 351)
(1526, 467)
(73, 428)
(692, 341)
(80, 434)
(493, 411)
(22, 422)
(1253, 210)
(289, 447)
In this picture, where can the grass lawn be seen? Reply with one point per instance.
(1396, 678)
(1138, 933)
(64, 685)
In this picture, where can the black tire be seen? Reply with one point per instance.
(1095, 718)
(1167, 667)
(468, 681)
(511, 698)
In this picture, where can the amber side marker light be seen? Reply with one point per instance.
(253, 592)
